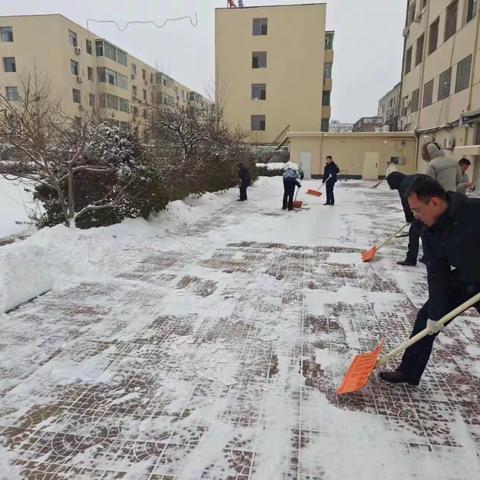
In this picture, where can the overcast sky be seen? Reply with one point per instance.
(368, 41)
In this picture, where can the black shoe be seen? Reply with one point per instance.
(284, 208)
(290, 209)
(327, 203)
(407, 263)
(397, 376)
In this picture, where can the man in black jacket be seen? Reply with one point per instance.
(244, 177)
(451, 242)
(399, 181)
(330, 173)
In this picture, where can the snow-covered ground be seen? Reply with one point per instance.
(14, 206)
(208, 344)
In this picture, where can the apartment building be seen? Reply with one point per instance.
(340, 127)
(367, 124)
(441, 73)
(389, 108)
(274, 69)
(89, 73)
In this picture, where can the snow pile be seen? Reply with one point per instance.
(8, 471)
(274, 165)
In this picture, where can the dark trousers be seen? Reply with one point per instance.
(416, 357)
(243, 191)
(329, 185)
(414, 234)
(288, 191)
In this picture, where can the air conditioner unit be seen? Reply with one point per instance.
(78, 50)
(79, 78)
(406, 31)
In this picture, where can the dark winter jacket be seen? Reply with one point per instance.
(244, 176)
(399, 181)
(453, 243)
(331, 170)
(290, 176)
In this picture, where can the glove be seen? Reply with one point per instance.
(433, 326)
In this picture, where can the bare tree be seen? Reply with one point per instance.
(40, 143)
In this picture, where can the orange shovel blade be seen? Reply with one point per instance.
(360, 370)
(313, 192)
(297, 203)
(369, 255)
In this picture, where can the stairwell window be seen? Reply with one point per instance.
(76, 96)
(428, 94)
(471, 9)
(88, 45)
(11, 94)
(415, 98)
(260, 26)
(72, 38)
(9, 64)
(444, 84)
(259, 60)
(433, 36)
(463, 74)
(6, 34)
(258, 122)
(259, 91)
(419, 54)
(90, 73)
(408, 60)
(451, 20)
(91, 100)
(74, 67)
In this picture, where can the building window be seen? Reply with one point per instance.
(419, 54)
(151, 77)
(433, 37)
(122, 57)
(72, 39)
(258, 122)
(327, 70)
(74, 67)
(463, 74)
(122, 81)
(88, 44)
(112, 102)
(451, 20)
(444, 84)
(11, 94)
(135, 111)
(90, 73)
(326, 99)
(259, 91)
(6, 34)
(415, 98)
(77, 96)
(411, 12)
(408, 60)
(134, 91)
(325, 126)
(428, 93)
(329, 40)
(99, 48)
(259, 60)
(124, 105)
(471, 9)
(144, 74)
(91, 99)
(9, 64)
(144, 94)
(109, 51)
(134, 71)
(260, 26)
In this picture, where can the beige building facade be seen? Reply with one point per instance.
(274, 69)
(440, 97)
(89, 73)
(358, 155)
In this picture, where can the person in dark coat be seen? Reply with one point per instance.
(244, 177)
(290, 177)
(400, 182)
(450, 240)
(330, 173)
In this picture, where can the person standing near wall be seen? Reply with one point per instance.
(465, 182)
(244, 177)
(330, 173)
(441, 167)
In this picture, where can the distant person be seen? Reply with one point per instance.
(465, 183)
(441, 167)
(290, 180)
(301, 174)
(401, 182)
(330, 173)
(391, 167)
(244, 176)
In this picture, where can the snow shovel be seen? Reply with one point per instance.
(363, 365)
(377, 184)
(317, 193)
(369, 255)
(297, 203)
